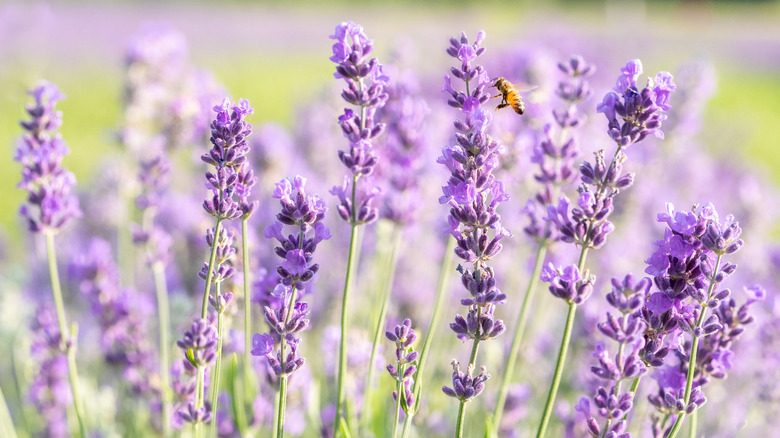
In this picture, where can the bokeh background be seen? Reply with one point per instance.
(276, 55)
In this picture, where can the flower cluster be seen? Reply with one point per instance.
(466, 386)
(473, 195)
(557, 152)
(627, 297)
(567, 283)
(405, 114)
(50, 203)
(49, 390)
(404, 336)
(200, 349)
(154, 177)
(304, 212)
(365, 89)
(229, 131)
(641, 112)
(687, 270)
(121, 314)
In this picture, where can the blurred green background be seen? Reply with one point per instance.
(276, 55)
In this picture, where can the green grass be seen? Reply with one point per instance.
(742, 119)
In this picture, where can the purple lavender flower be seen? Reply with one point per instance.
(50, 203)
(473, 195)
(365, 89)
(687, 271)
(121, 314)
(587, 225)
(403, 371)
(627, 296)
(567, 283)
(50, 391)
(557, 152)
(199, 343)
(405, 115)
(466, 386)
(641, 111)
(229, 131)
(154, 176)
(304, 212)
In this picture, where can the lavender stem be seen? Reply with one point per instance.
(218, 366)
(399, 390)
(472, 363)
(237, 398)
(6, 423)
(56, 289)
(247, 303)
(210, 274)
(347, 285)
(158, 271)
(694, 352)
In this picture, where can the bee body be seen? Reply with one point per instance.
(509, 96)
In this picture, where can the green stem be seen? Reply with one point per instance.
(633, 389)
(282, 406)
(399, 387)
(217, 367)
(518, 336)
(238, 398)
(6, 423)
(158, 271)
(199, 395)
(558, 371)
(470, 369)
(56, 290)
(247, 304)
(277, 405)
(694, 424)
(344, 306)
(210, 274)
(396, 233)
(694, 352)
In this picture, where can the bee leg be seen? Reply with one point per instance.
(497, 95)
(502, 105)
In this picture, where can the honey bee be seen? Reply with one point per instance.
(509, 96)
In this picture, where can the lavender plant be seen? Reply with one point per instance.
(641, 113)
(365, 89)
(49, 206)
(404, 336)
(555, 157)
(473, 195)
(306, 214)
(687, 269)
(229, 131)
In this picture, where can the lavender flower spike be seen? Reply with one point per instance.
(304, 213)
(49, 206)
(403, 371)
(365, 89)
(50, 203)
(473, 194)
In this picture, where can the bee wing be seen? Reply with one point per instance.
(524, 87)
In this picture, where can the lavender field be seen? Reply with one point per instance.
(338, 220)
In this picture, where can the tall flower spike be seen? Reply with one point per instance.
(365, 90)
(473, 195)
(366, 82)
(50, 203)
(304, 214)
(688, 269)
